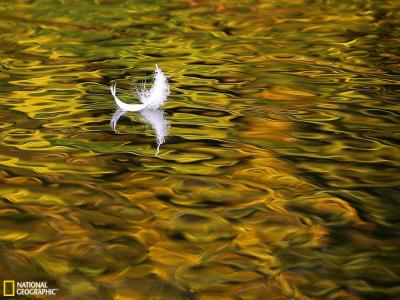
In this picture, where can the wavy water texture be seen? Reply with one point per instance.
(279, 177)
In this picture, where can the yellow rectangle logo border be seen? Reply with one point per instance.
(4, 288)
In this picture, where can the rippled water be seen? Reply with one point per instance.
(278, 180)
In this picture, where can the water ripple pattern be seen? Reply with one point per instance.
(279, 175)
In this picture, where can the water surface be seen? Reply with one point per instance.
(278, 180)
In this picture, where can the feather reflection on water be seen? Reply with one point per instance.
(154, 117)
(115, 117)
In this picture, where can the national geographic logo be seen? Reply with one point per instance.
(27, 288)
(9, 288)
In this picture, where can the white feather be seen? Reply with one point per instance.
(152, 98)
(122, 105)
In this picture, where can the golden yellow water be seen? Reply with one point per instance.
(279, 178)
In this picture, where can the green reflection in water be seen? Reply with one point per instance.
(277, 181)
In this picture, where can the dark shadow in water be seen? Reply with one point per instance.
(154, 117)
